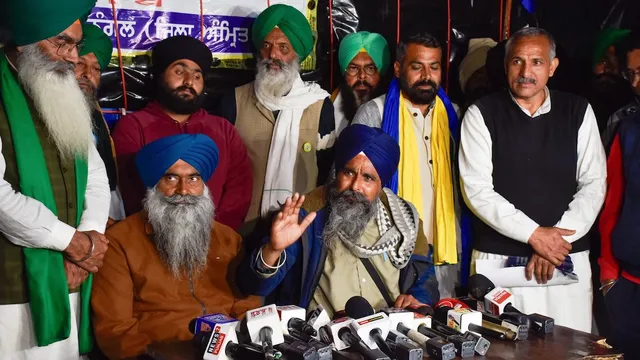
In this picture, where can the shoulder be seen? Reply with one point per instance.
(568, 99)
(131, 227)
(492, 99)
(224, 236)
(627, 111)
(370, 113)
(243, 92)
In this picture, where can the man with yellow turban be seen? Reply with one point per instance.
(286, 124)
(94, 59)
(364, 59)
(54, 191)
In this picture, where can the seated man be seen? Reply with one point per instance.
(180, 64)
(169, 263)
(351, 222)
(92, 60)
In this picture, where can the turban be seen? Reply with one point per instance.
(373, 44)
(155, 158)
(475, 59)
(177, 48)
(381, 149)
(30, 21)
(98, 43)
(606, 38)
(292, 23)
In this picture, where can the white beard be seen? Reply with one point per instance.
(63, 107)
(271, 84)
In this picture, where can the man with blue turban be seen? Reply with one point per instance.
(364, 59)
(350, 233)
(170, 261)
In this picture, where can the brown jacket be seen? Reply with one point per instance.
(136, 300)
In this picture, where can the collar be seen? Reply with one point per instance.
(543, 109)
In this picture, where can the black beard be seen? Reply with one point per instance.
(170, 99)
(417, 96)
(351, 101)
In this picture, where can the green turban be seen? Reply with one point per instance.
(374, 44)
(98, 43)
(606, 38)
(292, 23)
(30, 21)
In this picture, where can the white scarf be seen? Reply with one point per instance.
(278, 182)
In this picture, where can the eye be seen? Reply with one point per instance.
(516, 62)
(416, 67)
(435, 67)
(171, 178)
(266, 45)
(368, 178)
(194, 178)
(179, 71)
(198, 76)
(537, 62)
(96, 69)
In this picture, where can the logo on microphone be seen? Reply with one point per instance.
(216, 341)
(364, 322)
(501, 296)
(261, 312)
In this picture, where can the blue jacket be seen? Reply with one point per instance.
(296, 281)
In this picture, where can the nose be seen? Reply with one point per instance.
(356, 185)
(426, 73)
(188, 79)
(636, 81)
(182, 188)
(72, 56)
(273, 53)
(362, 74)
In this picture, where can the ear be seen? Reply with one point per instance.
(397, 69)
(554, 65)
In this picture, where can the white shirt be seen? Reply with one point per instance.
(28, 223)
(476, 169)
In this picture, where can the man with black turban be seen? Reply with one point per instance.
(167, 264)
(54, 192)
(340, 230)
(180, 64)
(286, 124)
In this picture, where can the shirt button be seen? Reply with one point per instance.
(364, 280)
(426, 138)
(430, 161)
(64, 169)
(70, 205)
(415, 114)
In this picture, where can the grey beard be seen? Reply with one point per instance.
(347, 219)
(62, 106)
(272, 84)
(181, 229)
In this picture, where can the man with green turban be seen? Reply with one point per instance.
(94, 59)
(286, 124)
(54, 192)
(364, 59)
(605, 59)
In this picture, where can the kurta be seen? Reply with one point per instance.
(570, 305)
(231, 183)
(136, 299)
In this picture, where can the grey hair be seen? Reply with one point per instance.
(530, 32)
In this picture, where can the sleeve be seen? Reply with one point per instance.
(591, 177)
(238, 187)
(476, 175)
(242, 304)
(609, 266)
(610, 130)
(368, 114)
(325, 156)
(97, 197)
(227, 106)
(115, 327)
(127, 140)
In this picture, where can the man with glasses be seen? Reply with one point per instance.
(364, 59)
(54, 191)
(630, 57)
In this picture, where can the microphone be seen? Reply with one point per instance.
(222, 343)
(318, 318)
(208, 322)
(466, 320)
(295, 349)
(372, 328)
(265, 329)
(292, 316)
(481, 344)
(423, 309)
(464, 347)
(403, 347)
(355, 343)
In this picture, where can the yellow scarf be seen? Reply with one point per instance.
(409, 186)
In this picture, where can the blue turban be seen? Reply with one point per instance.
(381, 149)
(155, 158)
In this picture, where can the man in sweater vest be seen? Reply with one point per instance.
(533, 172)
(54, 191)
(287, 124)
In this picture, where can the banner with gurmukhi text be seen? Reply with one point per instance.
(224, 25)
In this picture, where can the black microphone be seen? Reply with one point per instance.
(464, 347)
(295, 349)
(376, 328)
(358, 345)
(423, 309)
(481, 344)
(403, 347)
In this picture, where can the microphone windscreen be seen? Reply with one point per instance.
(479, 285)
(192, 326)
(358, 307)
(425, 310)
(452, 303)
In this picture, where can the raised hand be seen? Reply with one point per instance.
(548, 242)
(286, 229)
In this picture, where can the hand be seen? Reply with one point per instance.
(80, 246)
(286, 229)
(111, 222)
(541, 267)
(406, 300)
(607, 284)
(549, 243)
(75, 275)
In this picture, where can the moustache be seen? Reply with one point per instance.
(417, 84)
(182, 199)
(279, 63)
(525, 80)
(362, 83)
(87, 83)
(354, 197)
(185, 87)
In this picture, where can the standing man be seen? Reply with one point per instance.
(179, 67)
(54, 192)
(533, 172)
(364, 59)
(286, 124)
(418, 114)
(94, 58)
